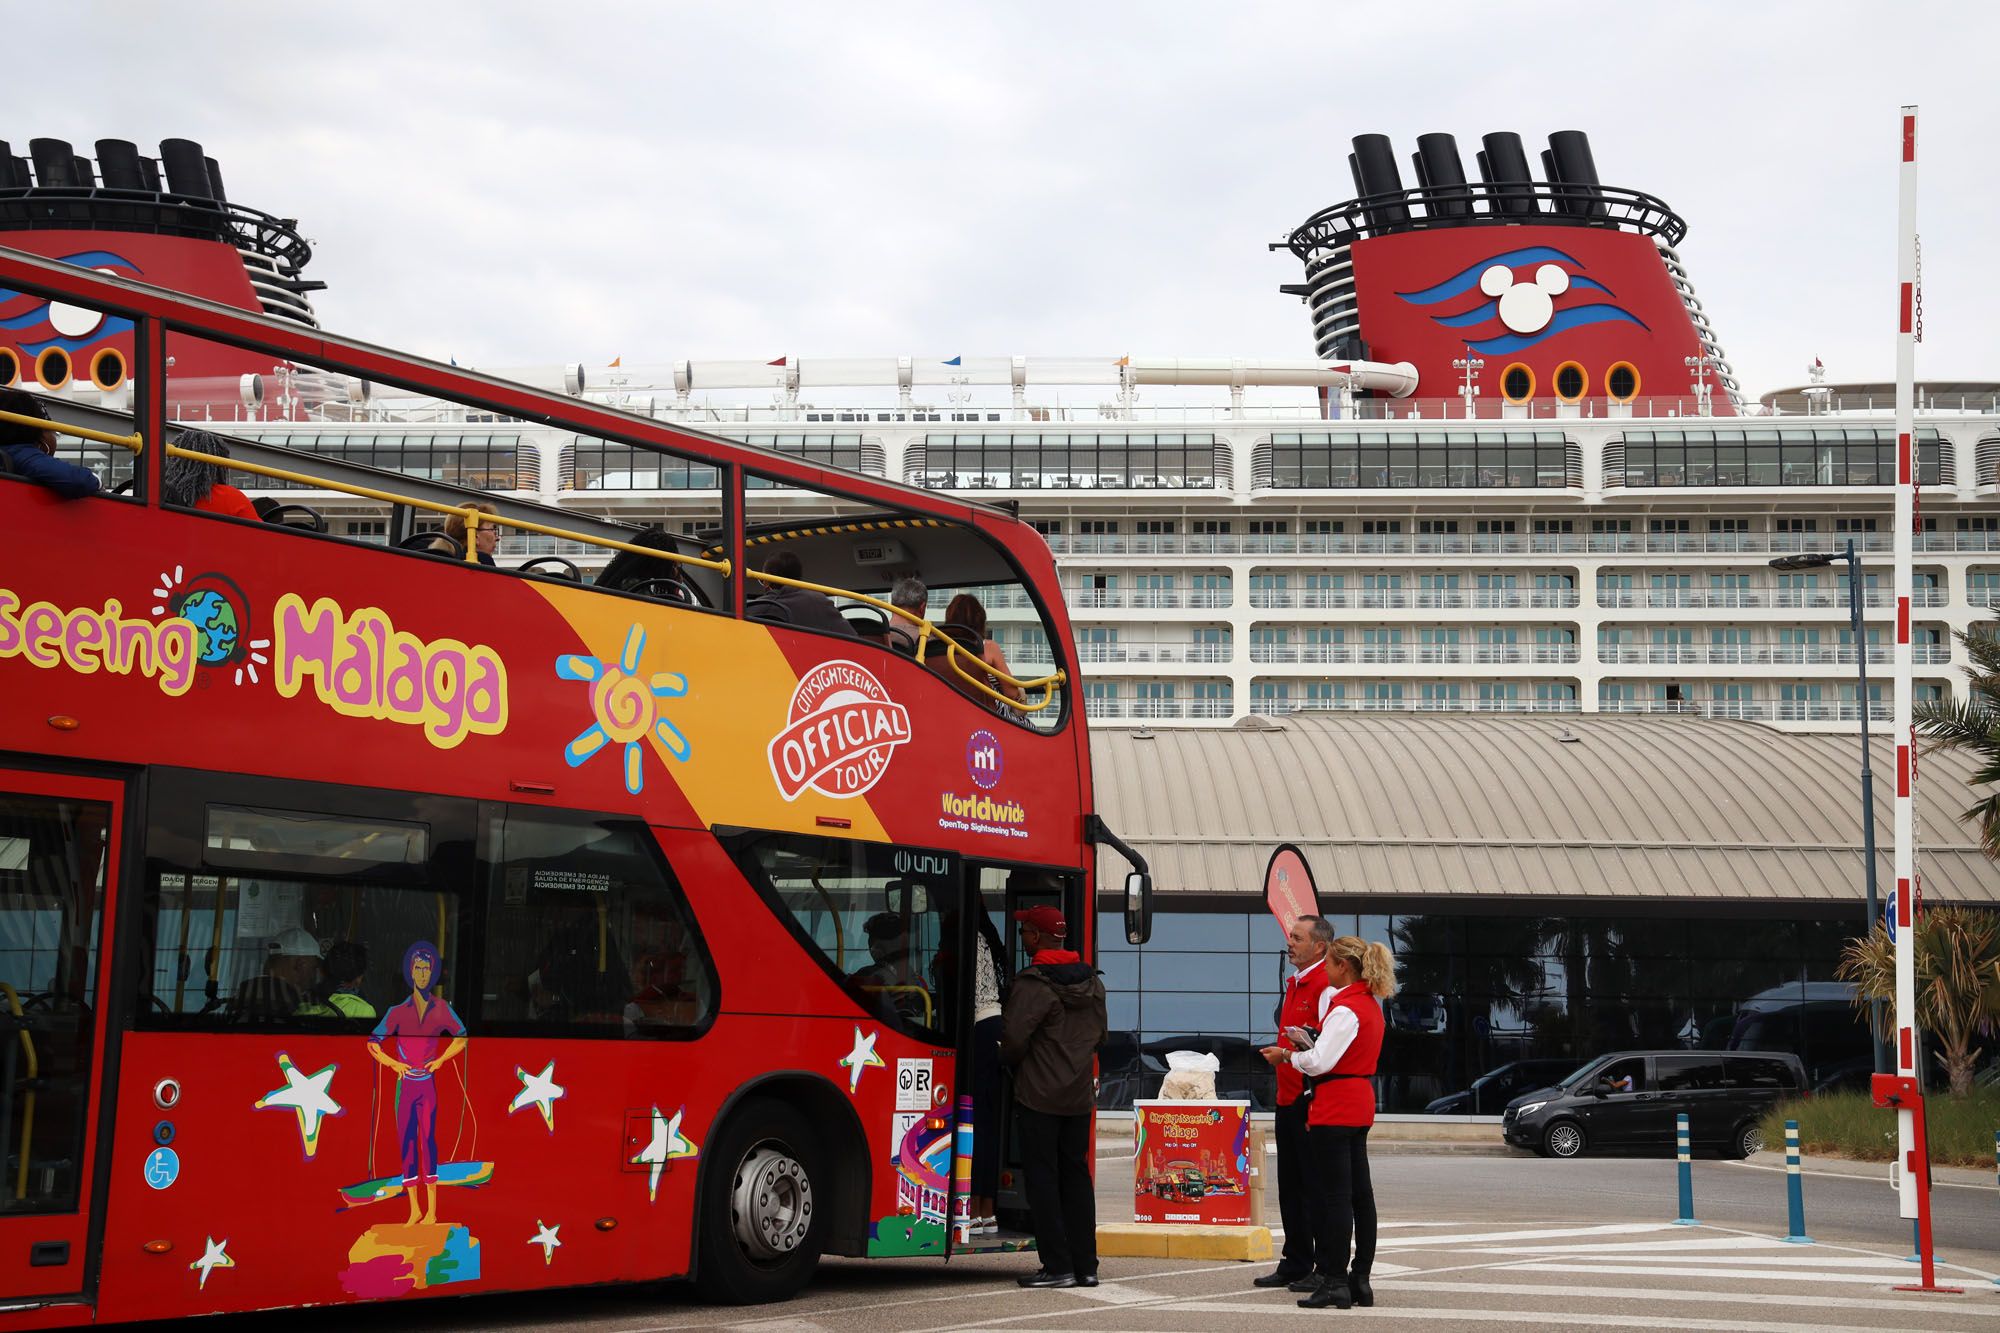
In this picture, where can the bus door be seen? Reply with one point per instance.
(58, 887)
(1004, 891)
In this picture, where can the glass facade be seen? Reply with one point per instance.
(600, 465)
(1066, 461)
(1485, 991)
(1428, 459)
(486, 460)
(1774, 456)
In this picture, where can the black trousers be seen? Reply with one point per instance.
(1055, 1158)
(986, 1108)
(1300, 1200)
(1340, 1160)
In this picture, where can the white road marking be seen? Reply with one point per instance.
(1729, 1262)
(1112, 1293)
(1546, 1318)
(1643, 1246)
(1549, 1233)
(1678, 1295)
(1732, 1274)
(1810, 1170)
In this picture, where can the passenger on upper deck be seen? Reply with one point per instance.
(198, 485)
(487, 541)
(31, 451)
(798, 606)
(907, 595)
(968, 612)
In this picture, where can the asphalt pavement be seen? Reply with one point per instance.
(1468, 1242)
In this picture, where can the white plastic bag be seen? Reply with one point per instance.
(1190, 1076)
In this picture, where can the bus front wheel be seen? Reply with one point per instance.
(764, 1211)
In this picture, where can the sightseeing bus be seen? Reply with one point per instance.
(674, 887)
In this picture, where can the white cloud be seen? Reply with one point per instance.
(513, 183)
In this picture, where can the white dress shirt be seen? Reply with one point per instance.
(1336, 1034)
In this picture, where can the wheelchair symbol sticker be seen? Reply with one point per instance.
(163, 1168)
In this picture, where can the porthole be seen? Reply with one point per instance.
(1571, 381)
(52, 368)
(10, 367)
(1517, 383)
(1621, 382)
(107, 369)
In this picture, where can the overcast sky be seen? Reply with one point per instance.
(516, 183)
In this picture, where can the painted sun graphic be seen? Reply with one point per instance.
(626, 707)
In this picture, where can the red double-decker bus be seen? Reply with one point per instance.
(379, 923)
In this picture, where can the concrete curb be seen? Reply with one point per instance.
(1182, 1240)
(1848, 1166)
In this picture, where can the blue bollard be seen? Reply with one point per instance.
(1795, 1194)
(1996, 1173)
(1686, 1219)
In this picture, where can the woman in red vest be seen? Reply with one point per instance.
(1339, 1068)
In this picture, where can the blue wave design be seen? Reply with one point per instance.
(1585, 284)
(110, 328)
(1575, 317)
(1464, 282)
(98, 259)
(35, 315)
(1479, 314)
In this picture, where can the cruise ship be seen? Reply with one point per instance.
(1515, 474)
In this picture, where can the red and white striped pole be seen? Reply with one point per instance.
(1913, 1153)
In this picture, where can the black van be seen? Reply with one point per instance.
(1628, 1101)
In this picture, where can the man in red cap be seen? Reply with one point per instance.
(1052, 1025)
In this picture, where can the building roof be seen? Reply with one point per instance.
(1510, 805)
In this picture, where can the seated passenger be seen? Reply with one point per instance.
(196, 485)
(893, 974)
(286, 984)
(907, 595)
(967, 612)
(802, 606)
(32, 451)
(660, 997)
(346, 962)
(487, 542)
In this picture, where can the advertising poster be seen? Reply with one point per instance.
(1191, 1162)
(1288, 887)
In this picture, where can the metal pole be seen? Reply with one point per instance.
(1913, 1174)
(1686, 1168)
(1874, 917)
(1795, 1195)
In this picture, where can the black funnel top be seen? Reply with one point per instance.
(1504, 164)
(1374, 167)
(118, 164)
(55, 161)
(1442, 175)
(187, 169)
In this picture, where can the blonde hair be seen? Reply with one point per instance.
(1372, 960)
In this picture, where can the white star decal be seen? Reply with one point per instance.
(308, 1094)
(861, 1057)
(540, 1091)
(545, 1236)
(668, 1144)
(214, 1255)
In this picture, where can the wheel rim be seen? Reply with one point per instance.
(1564, 1141)
(770, 1203)
(1753, 1140)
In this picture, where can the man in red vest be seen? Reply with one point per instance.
(1299, 1203)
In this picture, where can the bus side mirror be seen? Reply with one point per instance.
(1138, 907)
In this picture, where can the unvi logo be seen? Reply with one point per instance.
(984, 759)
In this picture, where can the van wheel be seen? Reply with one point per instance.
(763, 1207)
(1749, 1139)
(1565, 1138)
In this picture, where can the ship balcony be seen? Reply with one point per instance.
(1415, 654)
(1756, 710)
(1408, 599)
(1164, 710)
(1485, 544)
(1757, 599)
(1279, 707)
(1750, 654)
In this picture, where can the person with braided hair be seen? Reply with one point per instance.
(197, 485)
(1339, 1066)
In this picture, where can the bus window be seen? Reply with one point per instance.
(882, 920)
(289, 918)
(52, 866)
(587, 933)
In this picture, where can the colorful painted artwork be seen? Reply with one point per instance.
(214, 1255)
(667, 1144)
(540, 1091)
(626, 708)
(545, 1236)
(309, 1095)
(397, 1258)
(427, 1035)
(861, 1057)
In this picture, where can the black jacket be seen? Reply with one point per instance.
(1052, 1025)
(807, 609)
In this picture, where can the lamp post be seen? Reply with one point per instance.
(1821, 560)
(1470, 366)
(1700, 365)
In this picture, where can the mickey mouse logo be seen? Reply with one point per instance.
(1525, 307)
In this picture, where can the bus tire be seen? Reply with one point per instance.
(764, 1208)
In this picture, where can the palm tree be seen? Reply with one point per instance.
(1958, 981)
(1974, 724)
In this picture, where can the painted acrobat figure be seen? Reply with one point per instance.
(419, 1025)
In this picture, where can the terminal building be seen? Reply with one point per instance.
(1396, 601)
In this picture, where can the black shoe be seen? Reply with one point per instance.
(1278, 1279)
(1364, 1295)
(1310, 1282)
(1087, 1280)
(1043, 1278)
(1332, 1293)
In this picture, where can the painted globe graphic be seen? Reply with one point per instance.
(215, 620)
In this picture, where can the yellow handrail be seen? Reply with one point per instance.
(926, 630)
(904, 990)
(28, 1097)
(135, 441)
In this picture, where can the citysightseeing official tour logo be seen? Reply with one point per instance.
(840, 732)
